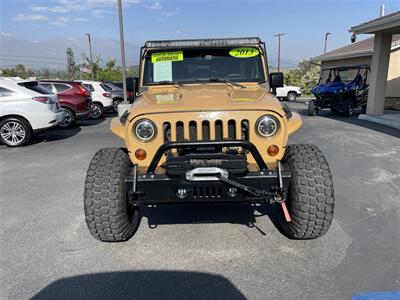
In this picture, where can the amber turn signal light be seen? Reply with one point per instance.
(140, 154)
(273, 150)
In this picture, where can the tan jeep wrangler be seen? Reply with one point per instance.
(205, 127)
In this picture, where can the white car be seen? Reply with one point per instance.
(26, 108)
(288, 92)
(101, 98)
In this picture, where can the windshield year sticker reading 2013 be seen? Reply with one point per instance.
(166, 56)
(243, 52)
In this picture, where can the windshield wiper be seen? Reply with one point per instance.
(217, 79)
(168, 82)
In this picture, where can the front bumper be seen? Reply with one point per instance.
(155, 185)
(162, 188)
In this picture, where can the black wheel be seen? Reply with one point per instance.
(96, 111)
(310, 200)
(312, 109)
(15, 132)
(335, 111)
(291, 96)
(109, 215)
(349, 110)
(69, 118)
(364, 109)
(116, 102)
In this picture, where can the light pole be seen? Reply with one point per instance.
(90, 52)
(326, 40)
(279, 48)
(122, 45)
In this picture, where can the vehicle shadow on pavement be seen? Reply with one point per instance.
(365, 124)
(56, 134)
(90, 122)
(353, 121)
(142, 285)
(244, 214)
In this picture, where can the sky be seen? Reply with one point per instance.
(304, 22)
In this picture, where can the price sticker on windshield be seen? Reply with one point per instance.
(244, 52)
(166, 56)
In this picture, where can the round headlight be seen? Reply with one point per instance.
(145, 130)
(267, 126)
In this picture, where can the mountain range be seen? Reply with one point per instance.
(51, 53)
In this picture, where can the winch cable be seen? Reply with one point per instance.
(283, 204)
(260, 193)
(251, 190)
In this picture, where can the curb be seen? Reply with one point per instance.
(381, 121)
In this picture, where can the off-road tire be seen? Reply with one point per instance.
(335, 111)
(310, 199)
(312, 110)
(291, 96)
(349, 110)
(364, 109)
(109, 216)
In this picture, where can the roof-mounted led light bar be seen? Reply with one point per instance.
(203, 42)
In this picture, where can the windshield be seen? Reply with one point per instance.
(344, 75)
(196, 65)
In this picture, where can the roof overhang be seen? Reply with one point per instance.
(389, 23)
(343, 55)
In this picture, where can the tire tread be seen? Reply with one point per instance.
(105, 203)
(311, 193)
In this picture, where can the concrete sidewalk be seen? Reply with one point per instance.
(391, 118)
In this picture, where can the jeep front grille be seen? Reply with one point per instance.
(206, 130)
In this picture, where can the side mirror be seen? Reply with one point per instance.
(136, 86)
(276, 80)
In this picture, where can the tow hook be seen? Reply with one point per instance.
(281, 199)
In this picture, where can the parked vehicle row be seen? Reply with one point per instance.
(28, 107)
(101, 98)
(74, 98)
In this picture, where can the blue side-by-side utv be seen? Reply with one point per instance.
(342, 89)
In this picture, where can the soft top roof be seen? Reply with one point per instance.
(244, 41)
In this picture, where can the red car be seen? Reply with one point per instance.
(74, 99)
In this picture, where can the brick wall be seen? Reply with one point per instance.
(392, 103)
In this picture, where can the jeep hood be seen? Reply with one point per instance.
(204, 97)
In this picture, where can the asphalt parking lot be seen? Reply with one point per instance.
(198, 251)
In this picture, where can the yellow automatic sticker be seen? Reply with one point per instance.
(166, 56)
(243, 52)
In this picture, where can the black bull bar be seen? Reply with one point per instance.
(260, 185)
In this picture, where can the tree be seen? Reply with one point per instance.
(20, 70)
(71, 68)
(306, 76)
(310, 75)
(111, 72)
